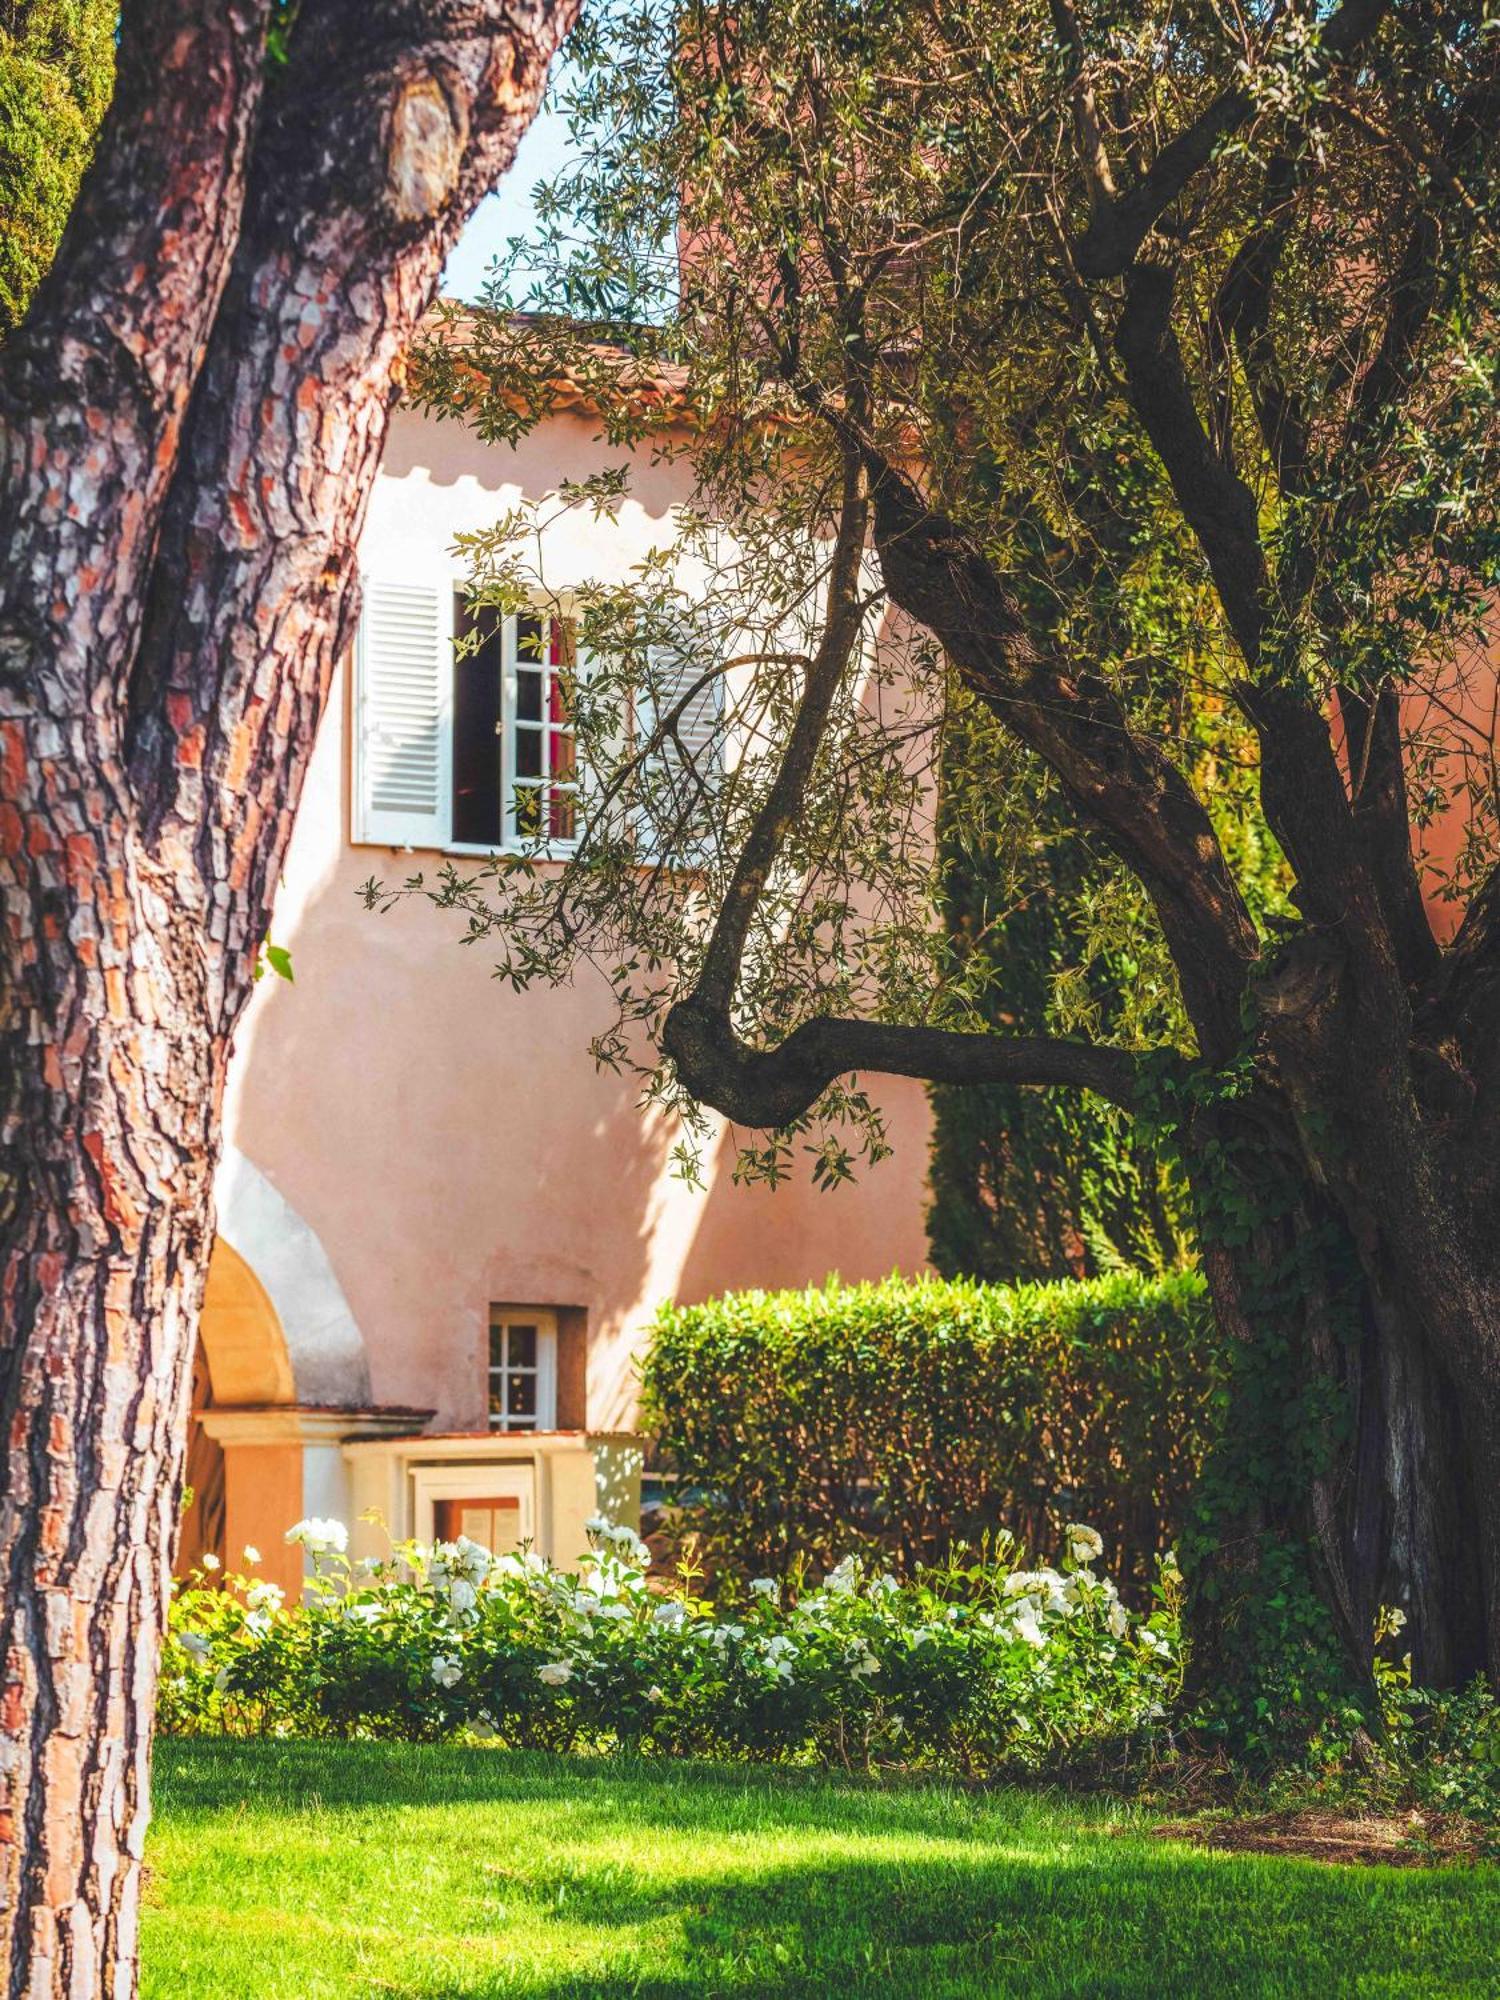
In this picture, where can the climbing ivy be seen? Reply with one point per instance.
(1277, 1673)
(1029, 1184)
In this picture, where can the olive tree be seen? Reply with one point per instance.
(1128, 375)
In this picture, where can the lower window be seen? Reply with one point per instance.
(522, 1376)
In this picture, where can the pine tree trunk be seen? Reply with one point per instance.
(191, 420)
(103, 1276)
(110, 1073)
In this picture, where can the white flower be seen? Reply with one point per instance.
(1169, 1569)
(597, 1524)
(221, 1679)
(778, 1653)
(722, 1635)
(462, 1596)
(766, 1586)
(671, 1612)
(654, 1694)
(319, 1535)
(446, 1673)
(615, 1611)
(843, 1577)
(211, 1561)
(1026, 1625)
(1153, 1642)
(865, 1665)
(1048, 1588)
(194, 1645)
(1395, 1620)
(555, 1673)
(1118, 1622)
(1085, 1545)
(252, 1555)
(265, 1596)
(361, 1614)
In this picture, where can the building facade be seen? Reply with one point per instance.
(442, 1232)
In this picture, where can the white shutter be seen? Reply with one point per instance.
(675, 795)
(403, 759)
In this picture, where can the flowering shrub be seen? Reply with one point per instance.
(969, 1667)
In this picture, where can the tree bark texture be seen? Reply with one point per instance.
(192, 416)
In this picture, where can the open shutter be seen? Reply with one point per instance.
(404, 664)
(674, 796)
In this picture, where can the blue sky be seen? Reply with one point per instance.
(510, 211)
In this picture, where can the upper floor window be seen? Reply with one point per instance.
(515, 779)
(462, 733)
(463, 736)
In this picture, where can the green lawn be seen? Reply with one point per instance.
(308, 1871)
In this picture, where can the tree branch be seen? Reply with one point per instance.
(1216, 503)
(1108, 246)
(774, 1087)
(111, 346)
(1120, 781)
(842, 623)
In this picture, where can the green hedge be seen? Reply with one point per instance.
(909, 1418)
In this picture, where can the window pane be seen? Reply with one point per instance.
(529, 637)
(497, 1407)
(497, 1347)
(528, 811)
(528, 696)
(520, 1395)
(476, 727)
(523, 1347)
(560, 650)
(528, 753)
(560, 757)
(559, 815)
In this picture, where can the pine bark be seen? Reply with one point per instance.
(193, 415)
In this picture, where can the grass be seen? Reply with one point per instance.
(315, 1871)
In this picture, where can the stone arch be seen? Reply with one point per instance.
(244, 1344)
(278, 1348)
(279, 1295)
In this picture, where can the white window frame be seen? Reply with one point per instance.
(544, 1319)
(369, 828)
(511, 725)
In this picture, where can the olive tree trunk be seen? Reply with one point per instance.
(193, 415)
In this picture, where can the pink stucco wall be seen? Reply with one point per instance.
(450, 1142)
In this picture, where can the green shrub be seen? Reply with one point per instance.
(910, 1419)
(974, 1668)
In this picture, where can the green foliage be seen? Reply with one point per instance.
(57, 66)
(910, 1419)
(1030, 1184)
(274, 958)
(976, 1667)
(1278, 1672)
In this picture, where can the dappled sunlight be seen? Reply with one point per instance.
(464, 1874)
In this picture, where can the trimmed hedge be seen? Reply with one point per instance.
(909, 1419)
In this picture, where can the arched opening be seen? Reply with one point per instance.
(242, 1359)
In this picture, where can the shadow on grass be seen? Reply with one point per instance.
(682, 1882)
